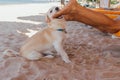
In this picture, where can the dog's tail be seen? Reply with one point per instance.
(10, 53)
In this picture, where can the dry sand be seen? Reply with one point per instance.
(88, 49)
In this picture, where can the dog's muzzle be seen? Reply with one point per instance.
(57, 9)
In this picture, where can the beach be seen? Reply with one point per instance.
(11, 12)
(89, 49)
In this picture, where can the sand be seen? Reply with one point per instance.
(92, 53)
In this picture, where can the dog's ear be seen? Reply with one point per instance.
(47, 19)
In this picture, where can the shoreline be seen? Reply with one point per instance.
(24, 2)
(11, 12)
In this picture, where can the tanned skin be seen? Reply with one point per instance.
(75, 12)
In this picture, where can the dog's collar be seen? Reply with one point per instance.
(63, 30)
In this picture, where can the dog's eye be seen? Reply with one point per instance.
(51, 11)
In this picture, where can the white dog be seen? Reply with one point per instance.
(44, 40)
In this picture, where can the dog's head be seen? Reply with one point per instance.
(51, 12)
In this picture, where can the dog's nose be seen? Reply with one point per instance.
(57, 8)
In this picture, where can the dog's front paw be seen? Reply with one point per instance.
(34, 55)
(67, 60)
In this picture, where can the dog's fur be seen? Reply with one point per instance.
(44, 40)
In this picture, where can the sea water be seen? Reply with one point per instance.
(23, 1)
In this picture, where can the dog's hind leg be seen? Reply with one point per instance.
(34, 55)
